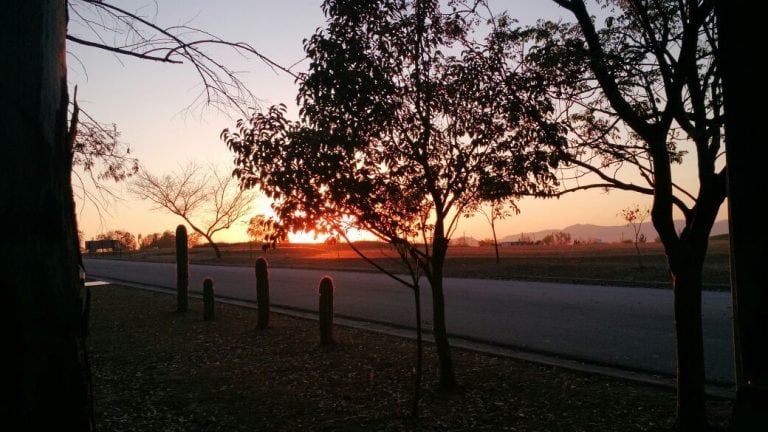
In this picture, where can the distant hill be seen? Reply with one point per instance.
(608, 234)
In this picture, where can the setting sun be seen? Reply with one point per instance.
(312, 237)
(306, 237)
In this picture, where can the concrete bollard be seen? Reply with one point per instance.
(262, 293)
(326, 311)
(208, 300)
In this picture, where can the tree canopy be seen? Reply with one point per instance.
(639, 92)
(401, 123)
(642, 90)
(408, 113)
(126, 239)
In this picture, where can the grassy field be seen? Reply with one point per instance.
(610, 263)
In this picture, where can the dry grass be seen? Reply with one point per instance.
(158, 370)
(611, 263)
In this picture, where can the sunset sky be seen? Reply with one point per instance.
(148, 101)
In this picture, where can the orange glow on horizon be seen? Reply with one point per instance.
(304, 237)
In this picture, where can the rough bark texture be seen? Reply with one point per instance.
(685, 255)
(689, 348)
(47, 386)
(740, 36)
(442, 345)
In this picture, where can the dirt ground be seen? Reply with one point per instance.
(159, 370)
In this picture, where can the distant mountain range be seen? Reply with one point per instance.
(607, 234)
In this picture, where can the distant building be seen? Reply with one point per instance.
(95, 246)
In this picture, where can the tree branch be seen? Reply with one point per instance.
(121, 51)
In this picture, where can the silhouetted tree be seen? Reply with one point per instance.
(98, 151)
(494, 211)
(48, 384)
(635, 216)
(126, 239)
(403, 117)
(562, 238)
(166, 239)
(95, 23)
(262, 228)
(332, 241)
(497, 207)
(99, 158)
(209, 203)
(640, 90)
(741, 37)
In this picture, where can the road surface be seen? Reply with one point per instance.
(631, 328)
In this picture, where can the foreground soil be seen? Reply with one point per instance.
(158, 370)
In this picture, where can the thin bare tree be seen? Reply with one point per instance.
(493, 212)
(634, 215)
(135, 33)
(98, 152)
(207, 200)
(99, 158)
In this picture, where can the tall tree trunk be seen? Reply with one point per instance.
(216, 250)
(213, 244)
(685, 255)
(691, 411)
(740, 37)
(48, 381)
(495, 242)
(447, 374)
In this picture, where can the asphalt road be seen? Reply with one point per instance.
(631, 328)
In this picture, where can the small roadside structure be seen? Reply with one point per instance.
(98, 246)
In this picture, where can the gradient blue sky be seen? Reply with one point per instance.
(148, 101)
